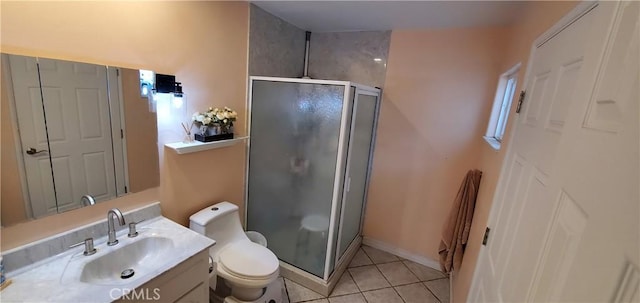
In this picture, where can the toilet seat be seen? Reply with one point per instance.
(248, 261)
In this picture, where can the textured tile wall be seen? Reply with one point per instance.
(276, 48)
(350, 56)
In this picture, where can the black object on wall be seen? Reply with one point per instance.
(165, 83)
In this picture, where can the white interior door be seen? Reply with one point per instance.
(33, 135)
(116, 109)
(77, 113)
(565, 224)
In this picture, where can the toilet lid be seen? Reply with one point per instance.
(248, 260)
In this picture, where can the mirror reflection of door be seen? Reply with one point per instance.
(78, 124)
(28, 105)
(66, 118)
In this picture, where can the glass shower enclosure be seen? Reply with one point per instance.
(310, 152)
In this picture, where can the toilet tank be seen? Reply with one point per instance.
(220, 222)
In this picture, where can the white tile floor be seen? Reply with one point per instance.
(375, 276)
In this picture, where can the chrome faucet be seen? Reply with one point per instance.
(114, 212)
(88, 200)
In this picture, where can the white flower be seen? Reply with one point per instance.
(213, 115)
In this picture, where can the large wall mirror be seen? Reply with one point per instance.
(72, 130)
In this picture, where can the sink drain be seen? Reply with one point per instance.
(127, 273)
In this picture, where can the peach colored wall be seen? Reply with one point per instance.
(10, 186)
(438, 91)
(203, 43)
(537, 17)
(141, 134)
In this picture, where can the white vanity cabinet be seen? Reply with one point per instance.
(186, 282)
(170, 264)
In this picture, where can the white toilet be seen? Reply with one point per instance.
(246, 267)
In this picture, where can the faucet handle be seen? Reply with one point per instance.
(88, 246)
(132, 229)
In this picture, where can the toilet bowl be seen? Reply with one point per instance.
(246, 267)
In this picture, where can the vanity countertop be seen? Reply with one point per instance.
(57, 279)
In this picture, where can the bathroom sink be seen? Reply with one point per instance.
(158, 246)
(161, 246)
(127, 262)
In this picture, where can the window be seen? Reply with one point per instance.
(501, 107)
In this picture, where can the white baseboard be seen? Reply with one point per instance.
(401, 253)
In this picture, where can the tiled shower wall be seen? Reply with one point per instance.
(350, 56)
(276, 48)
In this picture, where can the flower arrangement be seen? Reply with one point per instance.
(224, 117)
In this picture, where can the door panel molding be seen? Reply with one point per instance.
(569, 213)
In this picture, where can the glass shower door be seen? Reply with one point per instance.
(362, 130)
(295, 129)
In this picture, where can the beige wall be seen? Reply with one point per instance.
(141, 134)
(438, 92)
(536, 18)
(10, 186)
(203, 43)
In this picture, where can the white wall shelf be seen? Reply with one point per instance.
(196, 146)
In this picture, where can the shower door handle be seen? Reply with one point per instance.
(348, 185)
(32, 151)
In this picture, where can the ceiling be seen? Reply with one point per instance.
(332, 16)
